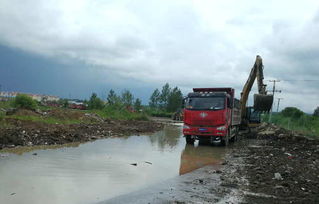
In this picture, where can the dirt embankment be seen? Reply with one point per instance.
(274, 166)
(23, 132)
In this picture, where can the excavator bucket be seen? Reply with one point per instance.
(263, 103)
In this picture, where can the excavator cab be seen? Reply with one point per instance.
(262, 102)
(253, 117)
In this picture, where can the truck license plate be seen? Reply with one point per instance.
(202, 129)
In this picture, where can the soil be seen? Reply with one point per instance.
(274, 165)
(27, 133)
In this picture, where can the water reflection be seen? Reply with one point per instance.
(169, 137)
(194, 157)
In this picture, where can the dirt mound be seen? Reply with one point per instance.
(271, 131)
(278, 166)
(66, 114)
(35, 133)
(23, 112)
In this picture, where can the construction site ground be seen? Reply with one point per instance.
(267, 165)
(17, 132)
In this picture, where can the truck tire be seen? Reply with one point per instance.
(225, 140)
(189, 139)
(234, 138)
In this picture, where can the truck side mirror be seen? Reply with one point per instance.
(184, 102)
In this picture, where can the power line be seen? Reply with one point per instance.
(297, 80)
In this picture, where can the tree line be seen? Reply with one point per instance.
(123, 100)
(168, 99)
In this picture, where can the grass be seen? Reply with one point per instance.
(6, 104)
(108, 112)
(119, 114)
(159, 113)
(306, 124)
(49, 120)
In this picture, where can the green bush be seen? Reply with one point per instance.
(24, 101)
(95, 102)
(292, 112)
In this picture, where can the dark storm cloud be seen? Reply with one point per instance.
(187, 43)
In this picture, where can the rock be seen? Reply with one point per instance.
(281, 135)
(224, 163)
(35, 154)
(218, 171)
(278, 176)
(266, 133)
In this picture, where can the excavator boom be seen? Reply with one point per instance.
(262, 101)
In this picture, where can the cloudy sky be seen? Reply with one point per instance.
(71, 48)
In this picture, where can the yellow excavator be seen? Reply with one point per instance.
(250, 116)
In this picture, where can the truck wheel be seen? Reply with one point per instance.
(189, 139)
(225, 140)
(234, 138)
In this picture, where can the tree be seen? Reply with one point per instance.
(24, 101)
(112, 98)
(127, 98)
(95, 102)
(138, 104)
(292, 112)
(175, 99)
(64, 103)
(166, 90)
(155, 99)
(316, 112)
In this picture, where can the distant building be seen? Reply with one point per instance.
(4, 95)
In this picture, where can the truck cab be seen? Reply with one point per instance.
(211, 114)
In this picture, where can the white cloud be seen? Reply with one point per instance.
(187, 43)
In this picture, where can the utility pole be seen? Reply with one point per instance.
(278, 103)
(273, 93)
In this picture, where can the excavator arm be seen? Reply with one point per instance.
(262, 101)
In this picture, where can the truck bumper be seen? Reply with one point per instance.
(203, 131)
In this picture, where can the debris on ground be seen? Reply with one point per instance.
(28, 133)
(274, 166)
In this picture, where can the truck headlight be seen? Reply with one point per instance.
(221, 128)
(186, 127)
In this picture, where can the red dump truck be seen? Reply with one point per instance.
(211, 114)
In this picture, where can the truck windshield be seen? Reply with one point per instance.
(205, 103)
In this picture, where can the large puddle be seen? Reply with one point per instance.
(96, 171)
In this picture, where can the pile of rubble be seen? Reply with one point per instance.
(272, 131)
(278, 166)
(26, 133)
